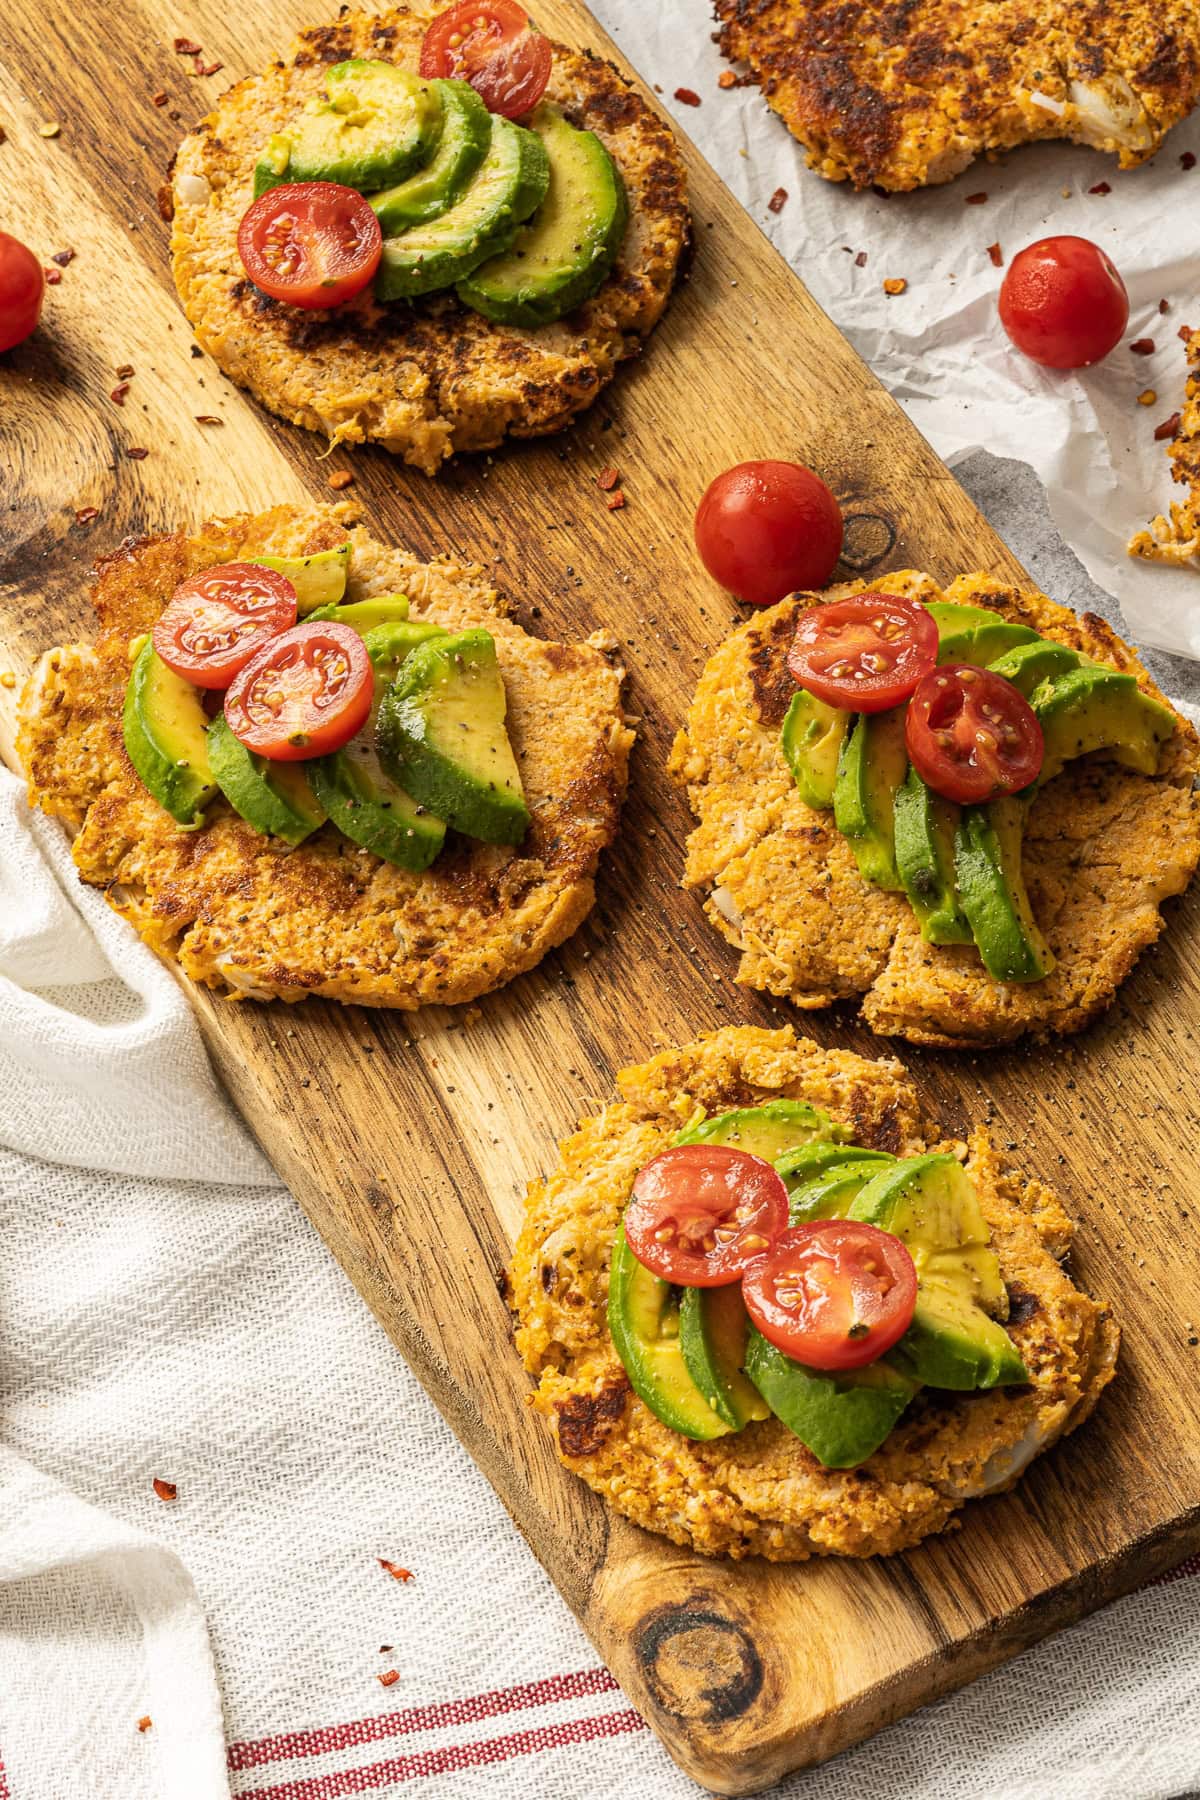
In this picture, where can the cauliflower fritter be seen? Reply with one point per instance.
(906, 95)
(425, 378)
(251, 916)
(1176, 539)
(1103, 848)
(760, 1492)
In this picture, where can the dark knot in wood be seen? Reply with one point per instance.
(869, 537)
(699, 1664)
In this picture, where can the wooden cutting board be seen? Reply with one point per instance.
(408, 1140)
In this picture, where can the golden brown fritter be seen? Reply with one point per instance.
(1103, 848)
(905, 93)
(428, 377)
(251, 916)
(1177, 539)
(760, 1492)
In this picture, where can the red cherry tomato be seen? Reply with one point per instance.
(491, 44)
(971, 735)
(214, 622)
(311, 243)
(765, 529)
(865, 653)
(304, 694)
(701, 1213)
(1063, 303)
(833, 1294)
(22, 289)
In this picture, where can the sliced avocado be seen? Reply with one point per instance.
(1028, 665)
(365, 615)
(925, 828)
(274, 797)
(973, 634)
(319, 580)
(466, 133)
(713, 1325)
(565, 252)
(165, 728)
(830, 1195)
(769, 1131)
(991, 891)
(441, 735)
(1098, 708)
(365, 804)
(811, 1160)
(509, 184)
(812, 739)
(841, 1418)
(930, 1204)
(377, 125)
(643, 1319)
(871, 766)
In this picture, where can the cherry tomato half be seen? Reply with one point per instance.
(971, 735)
(1063, 303)
(765, 529)
(311, 243)
(491, 44)
(701, 1213)
(833, 1294)
(865, 653)
(22, 289)
(214, 622)
(304, 694)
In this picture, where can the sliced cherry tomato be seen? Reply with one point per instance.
(1063, 303)
(22, 289)
(701, 1213)
(865, 653)
(765, 529)
(491, 44)
(214, 622)
(306, 693)
(834, 1294)
(311, 243)
(972, 735)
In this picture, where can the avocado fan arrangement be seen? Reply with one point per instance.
(697, 1360)
(428, 748)
(960, 866)
(522, 222)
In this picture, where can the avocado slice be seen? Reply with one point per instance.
(362, 800)
(509, 184)
(377, 125)
(991, 891)
(1028, 665)
(925, 826)
(810, 1160)
(769, 1131)
(465, 135)
(840, 1418)
(829, 1195)
(871, 766)
(812, 739)
(643, 1319)
(930, 1204)
(565, 252)
(319, 579)
(441, 735)
(165, 728)
(1098, 708)
(365, 615)
(973, 634)
(275, 797)
(713, 1326)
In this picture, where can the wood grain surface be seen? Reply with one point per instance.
(409, 1139)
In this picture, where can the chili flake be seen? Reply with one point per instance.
(976, 200)
(896, 285)
(1101, 187)
(119, 392)
(3, 135)
(208, 419)
(185, 47)
(778, 200)
(726, 78)
(159, 99)
(616, 500)
(389, 1678)
(608, 478)
(997, 255)
(341, 478)
(394, 1569)
(1164, 306)
(145, 1722)
(1185, 332)
(1142, 346)
(136, 454)
(210, 68)
(63, 257)
(1147, 397)
(1169, 428)
(125, 371)
(166, 1490)
(53, 276)
(1188, 160)
(85, 514)
(860, 261)
(687, 96)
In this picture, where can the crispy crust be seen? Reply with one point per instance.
(1104, 848)
(430, 377)
(906, 95)
(1176, 539)
(761, 1493)
(250, 917)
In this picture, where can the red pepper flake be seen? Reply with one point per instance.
(1169, 428)
(997, 255)
(778, 200)
(341, 478)
(159, 99)
(125, 371)
(726, 78)
(1164, 306)
(85, 514)
(145, 1722)
(63, 257)
(608, 478)
(860, 261)
(976, 200)
(185, 47)
(53, 276)
(1185, 332)
(896, 285)
(1188, 160)
(3, 135)
(166, 1490)
(211, 68)
(198, 64)
(1142, 346)
(616, 500)
(119, 392)
(394, 1569)
(389, 1678)
(136, 454)
(1101, 187)
(687, 96)
(208, 419)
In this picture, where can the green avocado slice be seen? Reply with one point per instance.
(165, 729)
(274, 797)
(973, 634)
(643, 1320)
(841, 1418)
(811, 1160)
(830, 1195)
(871, 766)
(377, 124)
(1098, 708)
(713, 1327)
(1028, 665)
(433, 190)
(770, 1131)
(991, 891)
(319, 579)
(365, 615)
(812, 739)
(925, 825)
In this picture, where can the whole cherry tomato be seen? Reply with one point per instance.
(22, 290)
(1063, 303)
(766, 529)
